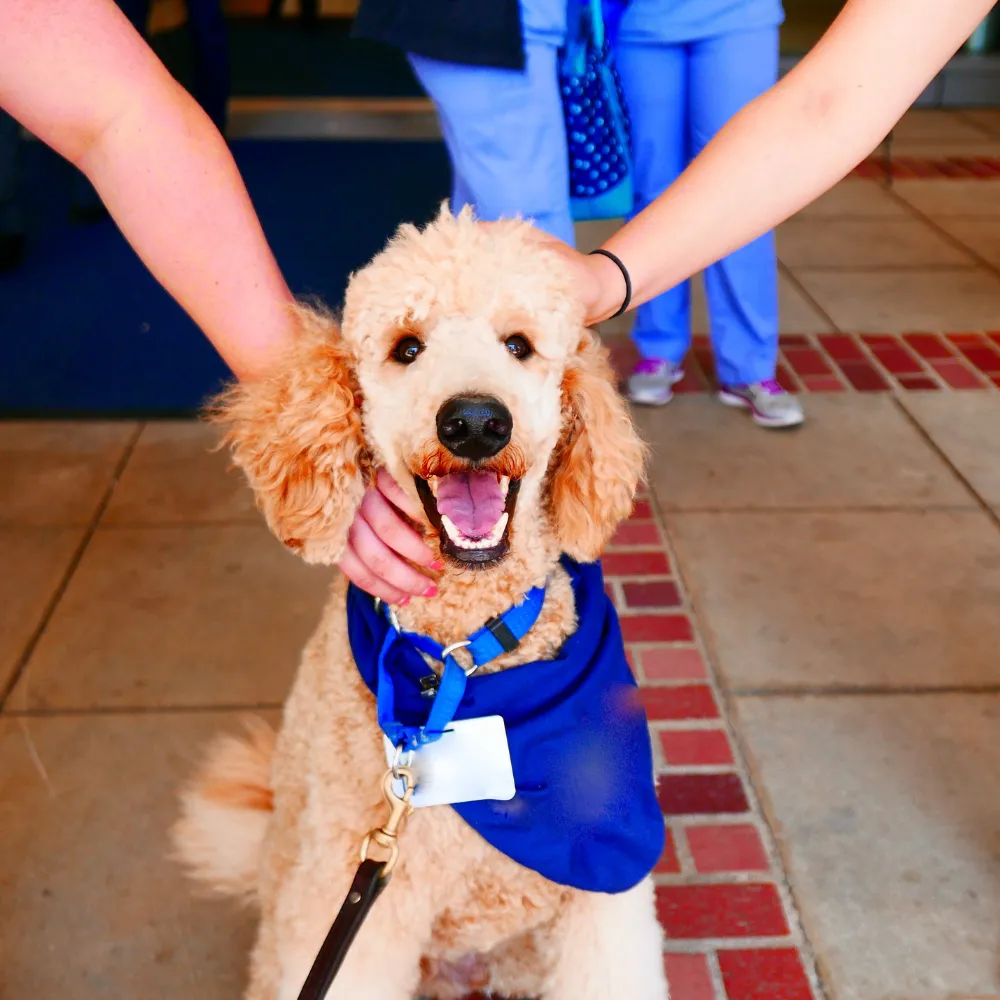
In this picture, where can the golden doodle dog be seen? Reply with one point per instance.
(463, 368)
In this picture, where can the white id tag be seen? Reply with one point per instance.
(470, 763)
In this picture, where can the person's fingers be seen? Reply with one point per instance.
(384, 564)
(589, 278)
(393, 492)
(392, 530)
(584, 268)
(361, 576)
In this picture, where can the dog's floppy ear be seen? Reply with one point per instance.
(298, 437)
(599, 459)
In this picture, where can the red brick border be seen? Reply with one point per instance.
(936, 168)
(731, 929)
(855, 362)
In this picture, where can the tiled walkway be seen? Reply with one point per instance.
(814, 616)
(143, 607)
(723, 902)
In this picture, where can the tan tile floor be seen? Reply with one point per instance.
(143, 607)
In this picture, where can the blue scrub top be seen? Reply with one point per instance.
(663, 22)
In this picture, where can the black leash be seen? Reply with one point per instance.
(365, 889)
(369, 882)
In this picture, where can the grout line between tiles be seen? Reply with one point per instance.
(808, 296)
(956, 472)
(717, 878)
(806, 217)
(992, 218)
(953, 241)
(109, 710)
(869, 691)
(715, 973)
(882, 268)
(709, 946)
(962, 115)
(682, 849)
(249, 522)
(74, 562)
(847, 508)
(715, 724)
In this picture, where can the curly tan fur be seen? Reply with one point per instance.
(298, 437)
(283, 824)
(599, 458)
(224, 812)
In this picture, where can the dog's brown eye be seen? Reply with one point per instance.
(407, 350)
(518, 346)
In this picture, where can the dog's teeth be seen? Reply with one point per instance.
(433, 484)
(498, 529)
(463, 542)
(504, 485)
(452, 531)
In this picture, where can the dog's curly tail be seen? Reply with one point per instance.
(225, 811)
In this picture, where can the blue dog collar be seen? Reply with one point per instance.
(501, 634)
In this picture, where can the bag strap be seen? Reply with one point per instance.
(584, 22)
(584, 27)
(612, 13)
(597, 24)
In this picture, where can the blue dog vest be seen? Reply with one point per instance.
(585, 813)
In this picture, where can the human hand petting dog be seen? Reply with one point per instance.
(382, 547)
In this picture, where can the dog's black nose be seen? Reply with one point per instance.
(475, 427)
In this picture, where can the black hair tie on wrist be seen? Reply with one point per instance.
(625, 275)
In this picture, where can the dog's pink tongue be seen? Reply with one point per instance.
(472, 501)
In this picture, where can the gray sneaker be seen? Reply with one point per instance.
(652, 382)
(769, 404)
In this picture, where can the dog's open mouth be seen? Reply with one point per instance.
(472, 512)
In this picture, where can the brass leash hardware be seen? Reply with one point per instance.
(387, 836)
(369, 882)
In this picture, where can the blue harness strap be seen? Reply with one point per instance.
(502, 634)
(585, 812)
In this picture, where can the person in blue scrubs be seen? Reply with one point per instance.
(686, 66)
(504, 128)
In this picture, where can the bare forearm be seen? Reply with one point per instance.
(794, 142)
(170, 183)
(80, 78)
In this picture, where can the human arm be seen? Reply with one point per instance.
(785, 148)
(77, 75)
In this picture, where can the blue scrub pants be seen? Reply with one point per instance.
(505, 135)
(504, 131)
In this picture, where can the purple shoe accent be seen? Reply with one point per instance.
(649, 366)
(768, 401)
(770, 385)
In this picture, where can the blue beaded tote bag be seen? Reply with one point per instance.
(597, 127)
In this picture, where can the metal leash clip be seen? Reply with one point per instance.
(387, 836)
(430, 688)
(370, 880)
(393, 620)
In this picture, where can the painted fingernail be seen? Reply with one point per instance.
(431, 591)
(437, 564)
(404, 602)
